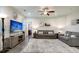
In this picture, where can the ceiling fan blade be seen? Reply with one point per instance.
(40, 11)
(51, 11)
(48, 14)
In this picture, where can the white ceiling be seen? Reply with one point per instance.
(32, 11)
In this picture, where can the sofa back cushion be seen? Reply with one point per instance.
(40, 32)
(68, 34)
(50, 33)
(45, 32)
(72, 34)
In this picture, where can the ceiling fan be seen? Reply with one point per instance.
(46, 11)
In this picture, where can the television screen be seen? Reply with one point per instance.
(15, 26)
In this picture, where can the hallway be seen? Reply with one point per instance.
(43, 46)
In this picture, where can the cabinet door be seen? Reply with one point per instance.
(7, 43)
(14, 41)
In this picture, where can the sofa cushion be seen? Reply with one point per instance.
(40, 32)
(50, 33)
(67, 34)
(73, 36)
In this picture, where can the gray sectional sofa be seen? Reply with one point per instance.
(45, 34)
(70, 38)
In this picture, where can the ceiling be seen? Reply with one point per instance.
(32, 11)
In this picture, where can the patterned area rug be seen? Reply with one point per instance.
(48, 46)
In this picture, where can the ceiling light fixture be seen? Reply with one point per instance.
(46, 11)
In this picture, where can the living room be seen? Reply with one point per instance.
(39, 29)
(59, 23)
(43, 25)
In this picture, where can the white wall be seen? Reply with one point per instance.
(31, 23)
(10, 12)
(56, 22)
(69, 26)
(61, 23)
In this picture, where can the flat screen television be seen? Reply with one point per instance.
(15, 26)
